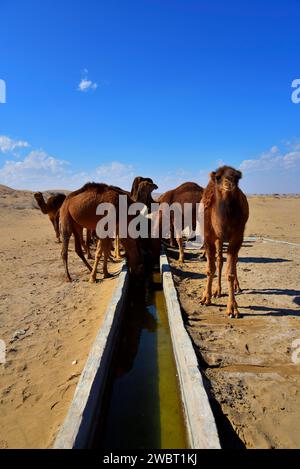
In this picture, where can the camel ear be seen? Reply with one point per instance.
(213, 175)
(239, 174)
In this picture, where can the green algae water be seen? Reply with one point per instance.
(144, 408)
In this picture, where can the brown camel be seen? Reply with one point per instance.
(188, 192)
(79, 210)
(226, 212)
(135, 185)
(140, 192)
(144, 191)
(51, 208)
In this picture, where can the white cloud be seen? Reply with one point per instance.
(85, 84)
(40, 171)
(35, 170)
(273, 159)
(9, 145)
(274, 171)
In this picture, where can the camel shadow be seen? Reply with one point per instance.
(270, 311)
(190, 256)
(263, 260)
(173, 253)
(275, 291)
(183, 274)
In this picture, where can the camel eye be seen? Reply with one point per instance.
(218, 178)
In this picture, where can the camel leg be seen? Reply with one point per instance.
(64, 253)
(117, 248)
(181, 252)
(172, 239)
(236, 284)
(88, 243)
(55, 224)
(78, 248)
(106, 251)
(211, 269)
(96, 262)
(219, 247)
(232, 307)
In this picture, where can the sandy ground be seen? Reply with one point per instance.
(47, 324)
(248, 362)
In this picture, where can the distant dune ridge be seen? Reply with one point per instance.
(22, 199)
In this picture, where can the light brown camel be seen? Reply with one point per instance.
(188, 192)
(79, 210)
(226, 212)
(51, 208)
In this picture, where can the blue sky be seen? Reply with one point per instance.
(169, 89)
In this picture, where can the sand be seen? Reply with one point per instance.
(247, 363)
(48, 325)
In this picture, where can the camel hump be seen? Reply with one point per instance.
(55, 201)
(97, 187)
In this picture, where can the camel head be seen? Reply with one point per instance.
(135, 185)
(144, 191)
(226, 179)
(38, 196)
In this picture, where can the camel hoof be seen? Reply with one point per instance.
(107, 275)
(205, 302)
(92, 280)
(217, 294)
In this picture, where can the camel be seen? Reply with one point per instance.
(51, 208)
(188, 192)
(79, 211)
(143, 193)
(135, 185)
(140, 192)
(226, 212)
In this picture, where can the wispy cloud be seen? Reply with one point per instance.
(38, 170)
(276, 170)
(34, 170)
(85, 84)
(274, 158)
(8, 145)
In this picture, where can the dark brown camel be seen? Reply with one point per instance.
(79, 210)
(144, 191)
(135, 185)
(189, 192)
(141, 191)
(51, 208)
(226, 212)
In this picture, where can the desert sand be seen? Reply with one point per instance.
(48, 324)
(251, 378)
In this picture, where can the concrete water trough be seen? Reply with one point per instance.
(92, 401)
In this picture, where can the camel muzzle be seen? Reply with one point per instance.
(228, 185)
